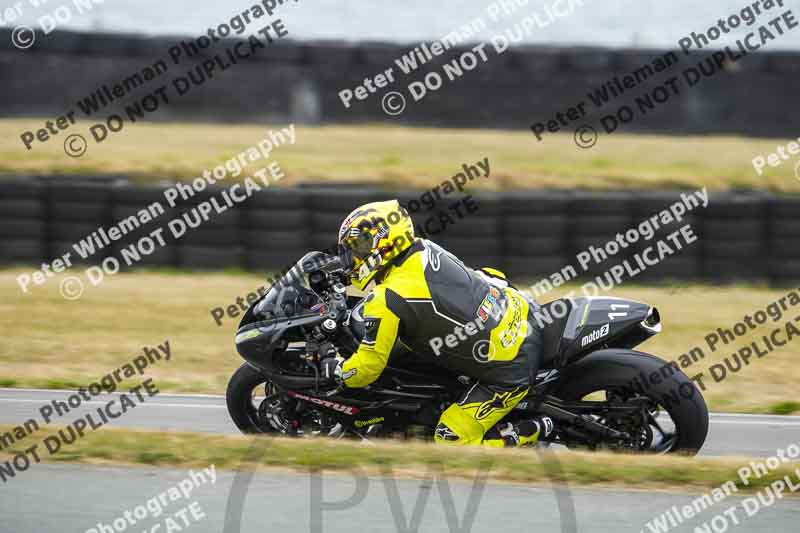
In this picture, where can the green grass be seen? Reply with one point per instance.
(397, 156)
(407, 459)
(784, 408)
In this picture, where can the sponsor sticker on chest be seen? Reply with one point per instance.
(488, 303)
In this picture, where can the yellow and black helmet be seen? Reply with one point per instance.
(371, 236)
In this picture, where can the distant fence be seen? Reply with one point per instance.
(531, 234)
(296, 81)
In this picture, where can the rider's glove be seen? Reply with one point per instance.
(331, 368)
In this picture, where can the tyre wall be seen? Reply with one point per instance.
(530, 234)
(295, 81)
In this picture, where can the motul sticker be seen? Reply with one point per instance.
(340, 407)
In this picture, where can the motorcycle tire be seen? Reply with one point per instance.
(239, 399)
(618, 368)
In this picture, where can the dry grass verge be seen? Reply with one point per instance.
(409, 157)
(406, 459)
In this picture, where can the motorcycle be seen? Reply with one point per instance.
(600, 392)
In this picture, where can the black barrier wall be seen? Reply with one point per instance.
(530, 234)
(300, 82)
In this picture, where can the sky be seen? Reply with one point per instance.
(610, 23)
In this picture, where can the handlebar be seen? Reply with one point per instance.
(336, 302)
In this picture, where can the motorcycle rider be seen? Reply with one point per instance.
(422, 293)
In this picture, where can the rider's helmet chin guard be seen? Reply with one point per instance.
(371, 236)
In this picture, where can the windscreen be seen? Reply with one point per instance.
(290, 295)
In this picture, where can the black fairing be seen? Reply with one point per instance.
(595, 323)
(272, 321)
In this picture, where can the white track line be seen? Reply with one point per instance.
(755, 423)
(732, 415)
(162, 394)
(95, 402)
(718, 418)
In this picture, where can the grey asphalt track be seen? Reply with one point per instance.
(76, 498)
(730, 434)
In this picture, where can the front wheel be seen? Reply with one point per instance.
(625, 376)
(257, 405)
(246, 405)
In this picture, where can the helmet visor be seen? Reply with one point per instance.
(353, 250)
(360, 245)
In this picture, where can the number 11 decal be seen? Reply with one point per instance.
(615, 307)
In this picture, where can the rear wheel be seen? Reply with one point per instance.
(672, 418)
(650, 427)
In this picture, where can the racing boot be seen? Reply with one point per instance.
(526, 432)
